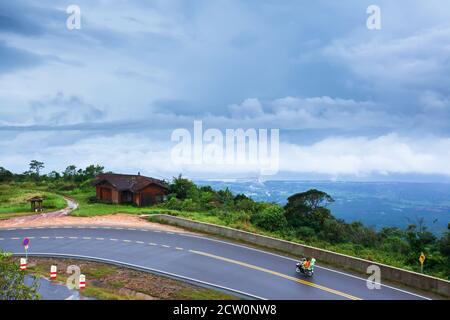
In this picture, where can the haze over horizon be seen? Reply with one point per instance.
(350, 103)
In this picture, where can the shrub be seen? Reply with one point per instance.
(189, 205)
(271, 219)
(173, 203)
(232, 218)
(305, 232)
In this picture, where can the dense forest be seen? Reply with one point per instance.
(305, 218)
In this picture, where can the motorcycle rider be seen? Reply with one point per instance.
(309, 263)
(306, 263)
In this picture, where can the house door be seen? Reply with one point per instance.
(105, 194)
(126, 197)
(146, 199)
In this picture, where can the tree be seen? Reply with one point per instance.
(92, 170)
(311, 199)
(181, 187)
(333, 231)
(419, 238)
(70, 172)
(5, 175)
(36, 166)
(242, 202)
(308, 209)
(444, 244)
(12, 281)
(54, 175)
(225, 197)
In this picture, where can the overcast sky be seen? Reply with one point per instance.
(350, 103)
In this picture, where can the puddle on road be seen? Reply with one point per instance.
(56, 291)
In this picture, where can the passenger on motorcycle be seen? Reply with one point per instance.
(309, 263)
(306, 266)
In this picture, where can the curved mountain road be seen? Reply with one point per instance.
(252, 272)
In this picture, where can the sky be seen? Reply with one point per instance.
(350, 103)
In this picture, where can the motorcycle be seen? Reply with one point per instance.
(300, 269)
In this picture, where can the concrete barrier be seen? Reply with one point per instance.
(408, 278)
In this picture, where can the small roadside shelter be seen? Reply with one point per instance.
(36, 203)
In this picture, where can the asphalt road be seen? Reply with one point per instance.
(242, 269)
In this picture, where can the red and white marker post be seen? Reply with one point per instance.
(82, 282)
(53, 272)
(23, 264)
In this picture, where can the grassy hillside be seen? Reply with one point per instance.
(13, 199)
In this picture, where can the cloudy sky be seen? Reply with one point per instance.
(349, 102)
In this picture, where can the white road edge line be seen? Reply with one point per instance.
(145, 268)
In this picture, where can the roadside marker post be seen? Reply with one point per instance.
(82, 282)
(422, 260)
(53, 272)
(23, 264)
(26, 243)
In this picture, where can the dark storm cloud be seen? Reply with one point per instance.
(12, 59)
(26, 19)
(311, 69)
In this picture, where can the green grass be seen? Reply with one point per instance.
(87, 209)
(103, 294)
(13, 200)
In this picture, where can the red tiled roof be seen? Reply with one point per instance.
(127, 181)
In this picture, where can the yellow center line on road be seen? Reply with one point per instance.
(285, 276)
